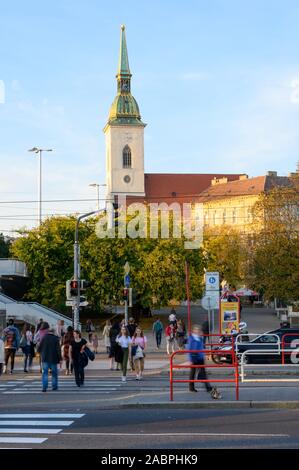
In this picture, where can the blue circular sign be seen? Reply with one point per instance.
(212, 280)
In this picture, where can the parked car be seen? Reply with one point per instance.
(269, 341)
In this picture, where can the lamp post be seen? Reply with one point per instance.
(76, 304)
(96, 185)
(39, 151)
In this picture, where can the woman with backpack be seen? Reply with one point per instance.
(170, 333)
(25, 345)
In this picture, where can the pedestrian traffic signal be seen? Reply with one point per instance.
(126, 294)
(74, 286)
(71, 289)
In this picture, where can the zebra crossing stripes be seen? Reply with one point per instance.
(66, 385)
(37, 425)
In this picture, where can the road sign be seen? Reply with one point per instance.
(71, 303)
(212, 281)
(127, 280)
(210, 302)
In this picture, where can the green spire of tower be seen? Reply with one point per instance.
(124, 109)
(123, 61)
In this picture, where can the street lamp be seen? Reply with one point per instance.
(96, 185)
(39, 151)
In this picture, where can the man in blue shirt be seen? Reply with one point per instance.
(195, 343)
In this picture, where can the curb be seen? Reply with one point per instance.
(223, 405)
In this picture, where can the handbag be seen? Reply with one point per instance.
(139, 353)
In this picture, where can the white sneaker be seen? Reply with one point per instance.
(124, 379)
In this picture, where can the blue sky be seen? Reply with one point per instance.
(217, 82)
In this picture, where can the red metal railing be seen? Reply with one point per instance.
(283, 344)
(233, 365)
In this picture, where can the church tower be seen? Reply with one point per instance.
(124, 134)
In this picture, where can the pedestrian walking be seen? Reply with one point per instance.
(40, 322)
(89, 329)
(132, 325)
(95, 343)
(180, 334)
(25, 344)
(205, 327)
(139, 342)
(49, 350)
(157, 331)
(39, 335)
(76, 350)
(1, 354)
(172, 317)
(170, 333)
(124, 340)
(114, 347)
(106, 335)
(66, 342)
(11, 338)
(32, 346)
(195, 344)
(60, 330)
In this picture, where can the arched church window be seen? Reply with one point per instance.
(127, 158)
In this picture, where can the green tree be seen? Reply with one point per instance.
(274, 262)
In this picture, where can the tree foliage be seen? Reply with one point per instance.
(157, 265)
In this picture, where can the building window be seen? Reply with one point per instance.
(224, 217)
(234, 216)
(214, 218)
(127, 158)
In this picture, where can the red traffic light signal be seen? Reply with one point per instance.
(126, 294)
(74, 288)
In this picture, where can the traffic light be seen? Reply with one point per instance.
(71, 289)
(126, 294)
(115, 213)
(84, 285)
(74, 286)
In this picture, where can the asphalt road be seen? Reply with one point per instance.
(159, 429)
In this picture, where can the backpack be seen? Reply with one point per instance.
(158, 327)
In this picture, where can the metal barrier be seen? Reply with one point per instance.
(234, 366)
(252, 352)
(284, 344)
(239, 343)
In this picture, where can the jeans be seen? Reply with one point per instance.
(201, 375)
(27, 357)
(124, 364)
(10, 353)
(46, 367)
(79, 372)
(158, 338)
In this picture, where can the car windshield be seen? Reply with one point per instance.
(266, 338)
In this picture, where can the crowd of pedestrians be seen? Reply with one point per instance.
(124, 344)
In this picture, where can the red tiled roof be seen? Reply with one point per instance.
(177, 187)
(246, 187)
